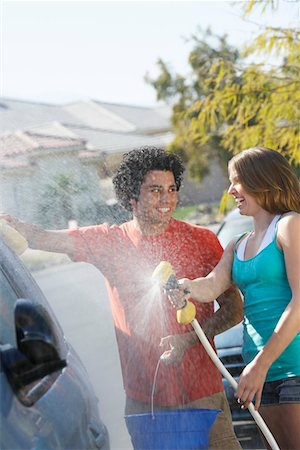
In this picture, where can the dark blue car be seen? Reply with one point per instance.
(47, 401)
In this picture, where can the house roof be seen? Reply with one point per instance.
(144, 119)
(22, 115)
(13, 144)
(10, 163)
(114, 142)
(106, 141)
(98, 126)
(94, 115)
(53, 129)
(22, 144)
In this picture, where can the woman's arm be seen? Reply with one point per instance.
(48, 240)
(253, 377)
(207, 289)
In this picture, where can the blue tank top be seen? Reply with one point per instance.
(264, 285)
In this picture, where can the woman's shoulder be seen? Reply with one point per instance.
(289, 224)
(290, 214)
(290, 217)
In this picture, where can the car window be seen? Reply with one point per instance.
(8, 299)
(17, 287)
(233, 337)
(232, 228)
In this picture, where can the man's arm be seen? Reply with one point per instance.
(229, 314)
(58, 241)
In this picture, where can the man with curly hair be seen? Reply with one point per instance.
(147, 184)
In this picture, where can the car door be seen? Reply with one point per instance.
(23, 414)
(46, 398)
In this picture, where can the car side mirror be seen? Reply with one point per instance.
(35, 336)
(37, 352)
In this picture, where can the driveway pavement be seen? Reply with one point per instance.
(78, 296)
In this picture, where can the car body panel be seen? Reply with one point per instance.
(58, 411)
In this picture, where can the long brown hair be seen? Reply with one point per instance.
(266, 175)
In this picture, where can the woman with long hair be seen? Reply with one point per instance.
(265, 265)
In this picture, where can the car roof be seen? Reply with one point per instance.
(233, 225)
(234, 214)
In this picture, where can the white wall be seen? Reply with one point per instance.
(22, 190)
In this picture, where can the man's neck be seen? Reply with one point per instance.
(147, 229)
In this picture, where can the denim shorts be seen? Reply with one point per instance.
(277, 392)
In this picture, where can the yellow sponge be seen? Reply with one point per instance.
(186, 314)
(14, 239)
(163, 272)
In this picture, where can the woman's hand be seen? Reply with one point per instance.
(251, 384)
(185, 285)
(178, 297)
(200, 289)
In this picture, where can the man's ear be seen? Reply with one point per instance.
(133, 203)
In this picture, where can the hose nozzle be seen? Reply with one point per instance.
(165, 276)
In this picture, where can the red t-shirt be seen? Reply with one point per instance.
(141, 315)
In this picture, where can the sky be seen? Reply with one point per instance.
(68, 51)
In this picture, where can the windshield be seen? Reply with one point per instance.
(230, 338)
(233, 228)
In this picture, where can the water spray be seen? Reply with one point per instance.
(186, 313)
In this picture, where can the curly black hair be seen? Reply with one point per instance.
(135, 166)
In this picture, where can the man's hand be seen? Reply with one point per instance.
(174, 346)
(11, 236)
(48, 240)
(11, 220)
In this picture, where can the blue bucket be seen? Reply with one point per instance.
(183, 429)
